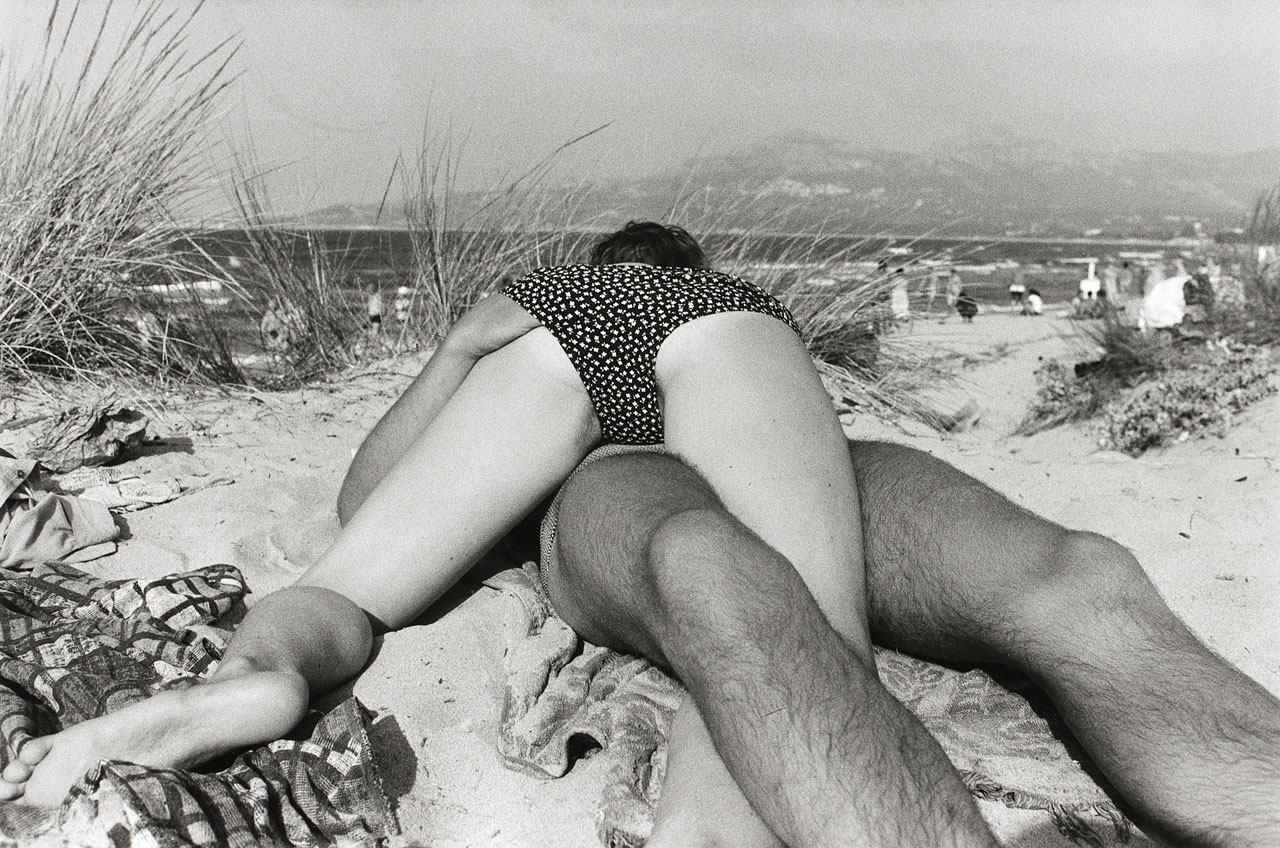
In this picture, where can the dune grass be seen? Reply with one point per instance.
(839, 297)
(98, 157)
(468, 245)
(310, 322)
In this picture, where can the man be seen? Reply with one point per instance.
(648, 561)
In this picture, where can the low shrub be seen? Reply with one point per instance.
(1191, 393)
(1201, 399)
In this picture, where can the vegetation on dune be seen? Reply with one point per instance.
(97, 158)
(461, 255)
(840, 306)
(1147, 390)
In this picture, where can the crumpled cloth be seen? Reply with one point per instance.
(93, 434)
(561, 691)
(73, 647)
(37, 526)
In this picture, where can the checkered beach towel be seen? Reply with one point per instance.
(73, 647)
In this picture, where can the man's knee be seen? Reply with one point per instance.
(611, 509)
(1077, 573)
(706, 569)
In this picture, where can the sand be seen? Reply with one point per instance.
(1201, 516)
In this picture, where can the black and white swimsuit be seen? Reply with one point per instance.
(611, 320)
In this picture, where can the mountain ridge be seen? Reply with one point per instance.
(1001, 188)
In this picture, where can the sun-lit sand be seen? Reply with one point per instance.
(1201, 516)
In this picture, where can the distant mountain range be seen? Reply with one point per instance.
(1011, 188)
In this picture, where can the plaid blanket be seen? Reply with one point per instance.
(73, 647)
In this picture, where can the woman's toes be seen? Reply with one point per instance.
(16, 772)
(33, 751)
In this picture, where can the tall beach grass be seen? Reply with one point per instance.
(101, 155)
(98, 157)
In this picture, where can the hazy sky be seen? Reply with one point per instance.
(332, 91)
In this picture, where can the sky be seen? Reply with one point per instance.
(331, 93)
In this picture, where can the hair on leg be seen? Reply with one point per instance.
(956, 571)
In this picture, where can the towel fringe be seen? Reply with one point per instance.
(1072, 820)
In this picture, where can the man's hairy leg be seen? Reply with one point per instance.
(956, 571)
(651, 562)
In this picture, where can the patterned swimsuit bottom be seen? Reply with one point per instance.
(611, 320)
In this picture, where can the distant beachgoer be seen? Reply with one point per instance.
(966, 306)
(1154, 277)
(955, 286)
(1017, 290)
(1090, 286)
(282, 325)
(1124, 280)
(404, 299)
(373, 306)
(1164, 306)
(1110, 281)
(899, 299)
(1034, 304)
(931, 293)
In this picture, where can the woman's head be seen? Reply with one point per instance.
(651, 243)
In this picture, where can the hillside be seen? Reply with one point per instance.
(1003, 187)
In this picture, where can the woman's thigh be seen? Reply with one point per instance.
(512, 432)
(743, 405)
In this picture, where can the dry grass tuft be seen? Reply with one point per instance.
(464, 252)
(97, 158)
(841, 305)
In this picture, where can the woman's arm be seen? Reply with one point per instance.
(489, 325)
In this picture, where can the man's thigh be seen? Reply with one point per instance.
(947, 556)
(596, 571)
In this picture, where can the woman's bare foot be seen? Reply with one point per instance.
(172, 729)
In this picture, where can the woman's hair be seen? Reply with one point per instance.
(651, 243)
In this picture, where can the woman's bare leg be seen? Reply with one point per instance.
(744, 406)
(509, 436)
(512, 432)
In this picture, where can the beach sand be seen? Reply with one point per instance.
(1201, 516)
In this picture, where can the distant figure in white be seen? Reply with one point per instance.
(899, 300)
(1165, 305)
(1034, 304)
(404, 299)
(1091, 285)
(955, 285)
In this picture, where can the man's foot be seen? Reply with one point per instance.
(172, 729)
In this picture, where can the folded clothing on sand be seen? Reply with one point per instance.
(73, 647)
(36, 526)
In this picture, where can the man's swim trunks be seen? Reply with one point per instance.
(611, 320)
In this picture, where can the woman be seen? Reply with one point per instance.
(642, 345)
